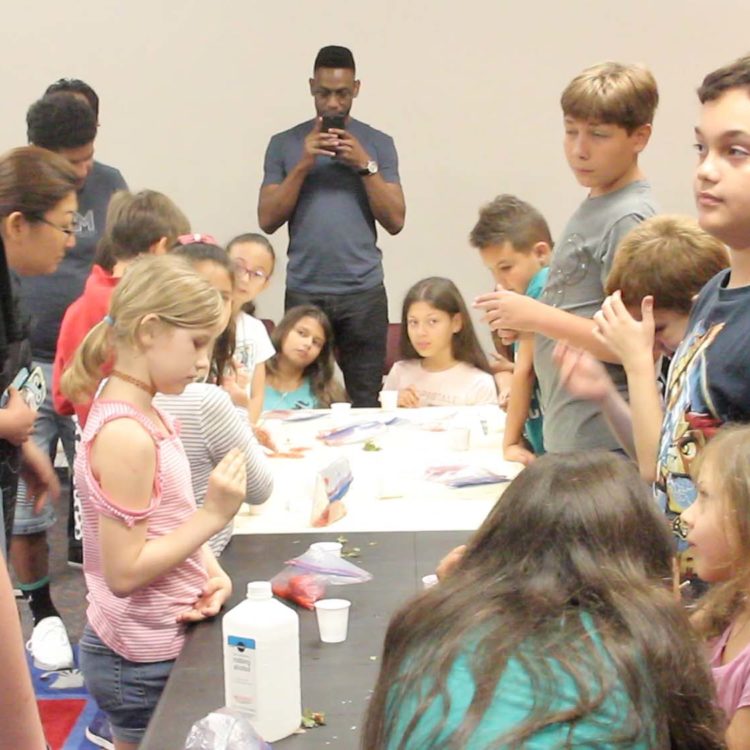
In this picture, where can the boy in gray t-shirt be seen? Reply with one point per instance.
(608, 110)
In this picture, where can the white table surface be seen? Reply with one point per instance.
(411, 502)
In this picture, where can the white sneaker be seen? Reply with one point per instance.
(49, 645)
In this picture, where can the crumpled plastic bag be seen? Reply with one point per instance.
(224, 729)
(304, 579)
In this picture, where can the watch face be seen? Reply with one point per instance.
(372, 167)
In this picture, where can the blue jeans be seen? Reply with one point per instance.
(360, 327)
(127, 691)
(49, 427)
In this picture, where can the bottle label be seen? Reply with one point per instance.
(243, 680)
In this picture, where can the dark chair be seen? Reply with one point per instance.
(269, 324)
(392, 346)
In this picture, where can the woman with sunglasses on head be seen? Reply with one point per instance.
(254, 259)
(37, 206)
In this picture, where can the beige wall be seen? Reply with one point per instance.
(191, 91)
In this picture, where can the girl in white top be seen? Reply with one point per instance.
(254, 259)
(443, 363)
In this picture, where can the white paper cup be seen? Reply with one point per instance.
(340, 412)
(333, 547)
(388, 400)
(429, 581)
(333, 619)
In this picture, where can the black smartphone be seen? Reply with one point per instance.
(333, 121)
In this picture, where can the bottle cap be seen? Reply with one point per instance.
(259, 590)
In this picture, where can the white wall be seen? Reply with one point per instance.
(192, 90)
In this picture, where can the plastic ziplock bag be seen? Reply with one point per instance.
(464, 476)
(304, 579)
(354, 433)
(224, 729)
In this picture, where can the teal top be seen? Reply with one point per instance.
(513, 702)
(534, 427)
(301, 398)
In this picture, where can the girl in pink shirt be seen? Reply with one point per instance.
(718, 525)
(442, 362)
(148, 570)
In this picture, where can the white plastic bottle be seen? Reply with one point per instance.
(261, 662)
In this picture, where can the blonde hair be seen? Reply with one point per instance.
(164, 286)
(668, 257)
(612, 93)
(728, 454)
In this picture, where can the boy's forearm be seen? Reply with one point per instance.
(647, 416)
(577, 331)
(518, 407)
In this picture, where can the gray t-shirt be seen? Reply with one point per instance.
(45, 298)
(332, 235)
(580, 263)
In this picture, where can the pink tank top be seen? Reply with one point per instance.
(140, 627)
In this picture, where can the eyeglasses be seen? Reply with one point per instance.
(74, 227)
(240, 269)
(189, 239)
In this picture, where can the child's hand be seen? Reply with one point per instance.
(16, 419)
(503, 381)
(215, 592)
(518, 453)
(227, 486)
(583, 376)
(630, 339)
(39, 474)
(507, 311)
(235, 384)
(263, 436)
(499, 363)
(408, 398)
(448, 563)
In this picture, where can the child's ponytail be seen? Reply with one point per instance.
(80, 380)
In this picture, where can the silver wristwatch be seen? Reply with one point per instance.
(370, 168)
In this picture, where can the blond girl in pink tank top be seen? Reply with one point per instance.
(148, 569)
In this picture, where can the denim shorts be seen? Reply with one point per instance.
(126, 691)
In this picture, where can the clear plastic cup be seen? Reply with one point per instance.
(333, 619)
(333, 547)
(388, 400)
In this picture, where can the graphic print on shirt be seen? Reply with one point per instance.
(245, 353)
(690, 420)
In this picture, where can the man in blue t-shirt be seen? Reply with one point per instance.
(331, 179)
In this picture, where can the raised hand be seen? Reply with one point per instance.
(227, 486)
(630, 339)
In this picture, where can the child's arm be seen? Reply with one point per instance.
(738, 732)
(126, 477)
(257, 388)
(585, 377)
(507, 311)
(633, 341)
(518, 406)
(19, 715)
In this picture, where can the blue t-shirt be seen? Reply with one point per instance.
(332, 234)
(708, 385)
(513, 701)
(301, 398)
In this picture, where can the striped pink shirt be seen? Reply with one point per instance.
(141, 627)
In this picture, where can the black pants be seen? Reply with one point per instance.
(360, 326)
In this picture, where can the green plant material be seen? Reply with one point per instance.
(312, 719)
(371, 446)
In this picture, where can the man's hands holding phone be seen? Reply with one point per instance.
(335, 143)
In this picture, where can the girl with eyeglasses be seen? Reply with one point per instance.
(253, 258)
